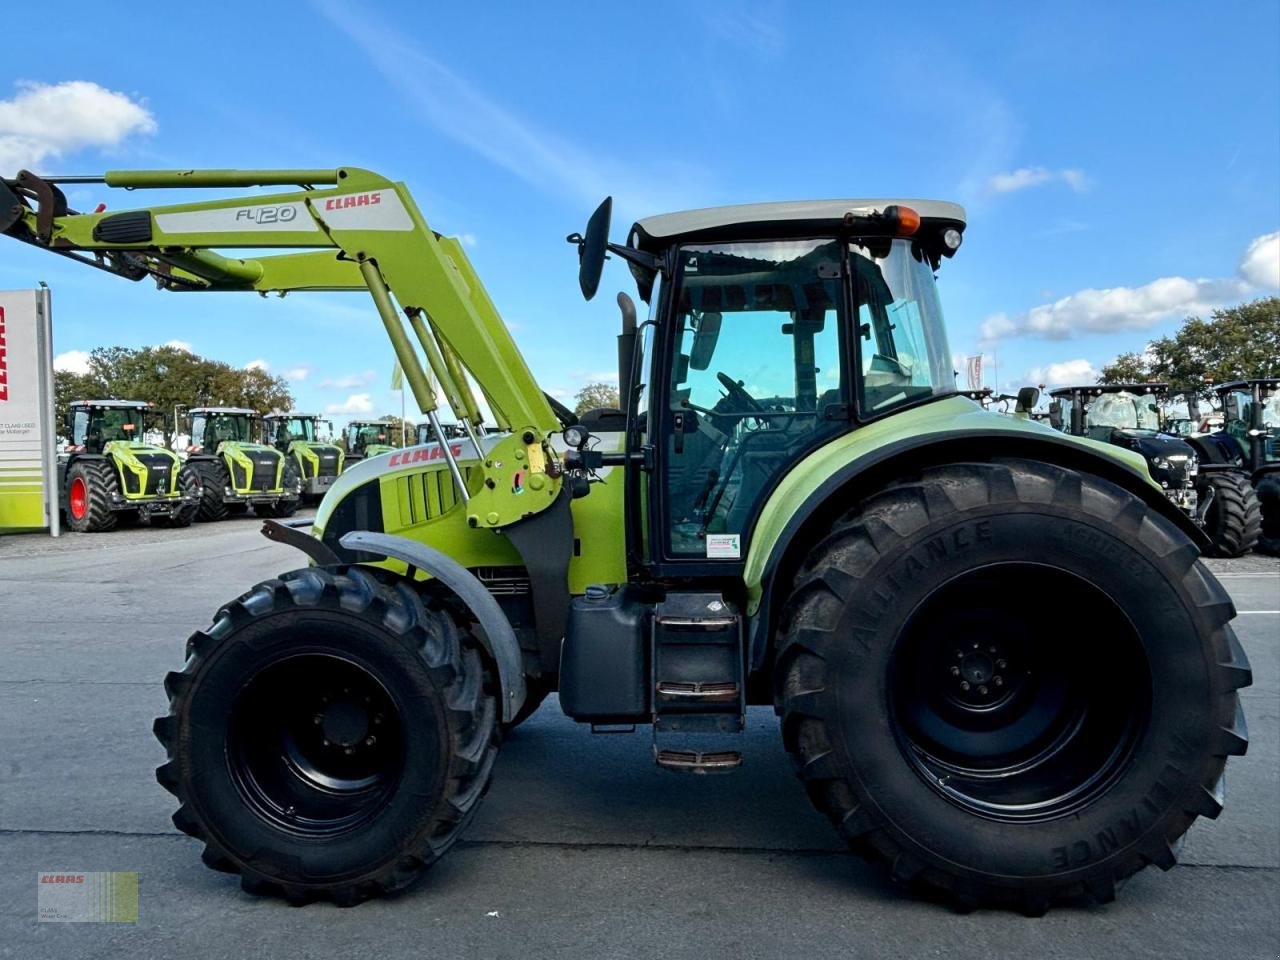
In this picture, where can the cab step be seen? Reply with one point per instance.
(696, 761)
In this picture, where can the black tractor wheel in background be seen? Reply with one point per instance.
(214, 480)
(189, 487)
(287, 505)
(89, 485)
(1269, 503)
(1234, 520)
(1012, 683)
(329, 736)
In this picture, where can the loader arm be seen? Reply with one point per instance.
(339, 229)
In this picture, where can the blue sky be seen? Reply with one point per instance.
(1120, 162)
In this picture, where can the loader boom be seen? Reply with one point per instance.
(343, 229)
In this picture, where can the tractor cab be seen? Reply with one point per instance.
(1251, 415)
(319, 462)
(369, 438)
(92, 424)
(425, 433)
(212, 427)
(236, 471)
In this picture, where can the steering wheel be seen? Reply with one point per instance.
(738, 395)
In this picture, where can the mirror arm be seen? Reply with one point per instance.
(640, 258)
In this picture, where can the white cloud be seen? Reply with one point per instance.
(755, 31)
(43, 122)
(178, 345)
(73, 361)
(1065, 373)
(1025, 177)
(1140, 308)
(349, 382)
(467, 239)
(355, 403)
(297, 374)
(1261, 263)
(258, 365)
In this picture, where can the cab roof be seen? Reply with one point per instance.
(1098, 389)
(245, 410)
(292, 415)
(749, 221)
(131, 404)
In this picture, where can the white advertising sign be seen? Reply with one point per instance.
(28, 476)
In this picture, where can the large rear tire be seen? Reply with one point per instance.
(1012, 683)
(1234, 519)
(214, 480)
(1269, 502)
(330, 736)
(89, 485)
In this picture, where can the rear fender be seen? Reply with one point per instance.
(773, 559)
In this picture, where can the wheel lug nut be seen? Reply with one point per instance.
(983, 689)
(1002, 664)
(370, 741)
(348, 750)
(955, 671)
(377, 718)
(964, 684)
(975, 646)
(998, 680)
(991, 649)
(317, 719)
(959, 654)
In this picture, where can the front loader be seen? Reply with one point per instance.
(296, 435)
(1000, 667)
(107, 471)
(237, 472)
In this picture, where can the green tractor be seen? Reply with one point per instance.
(234, 470)
(108, 473)
(1249, 441)
(369, 438)
(425, 433)
(296, 435)
(999, 665)
(1215, 494)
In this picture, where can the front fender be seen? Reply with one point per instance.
(496, 634)
(858, 463)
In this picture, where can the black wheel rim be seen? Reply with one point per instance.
(1019, 691)
(315, 745)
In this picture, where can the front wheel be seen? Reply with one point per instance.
(1269, 501)
(184, 513)
(1233, 521)
(329, 736)
(287, 505)
(1012, 683)
(89, 488)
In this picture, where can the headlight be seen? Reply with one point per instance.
(1160, 463)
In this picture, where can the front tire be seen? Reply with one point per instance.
(1234, 520)
(329, 736)
(291, 484)
(214, 480)
(1116, 707)
(189, 488)
(89, 488)
(1268, 490)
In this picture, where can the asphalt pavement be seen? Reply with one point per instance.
(582, 848)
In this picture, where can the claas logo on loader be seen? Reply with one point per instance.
(353, 200)
(420, 454)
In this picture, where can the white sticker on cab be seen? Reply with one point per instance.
(724, 546)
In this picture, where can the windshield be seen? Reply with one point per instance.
(1124, 410)
(96, 426)
(902, 338)
(215, 428)
(293, 428)
(364, 434)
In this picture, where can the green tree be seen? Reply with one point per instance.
(594, 396)
(1240, 342)
(167, 376)
(69, 386)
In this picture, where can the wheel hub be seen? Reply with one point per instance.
(979, 673)
(344, 723)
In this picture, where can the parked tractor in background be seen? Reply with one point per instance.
(297, 436)
(1000, 667)
(1217, 496)
(235, 471)
(369, 438)
(425, 433)
(1249, 441)
(108, 473)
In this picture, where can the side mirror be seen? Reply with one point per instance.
(591, 248)
(1055, 414)
(704, 341)
(1028, 397)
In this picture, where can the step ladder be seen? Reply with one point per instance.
(699, 687)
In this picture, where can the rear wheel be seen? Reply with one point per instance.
(1012, 683)
(329, 736)
(214, 481)
(1234, 520)
(1269, 502)
(89, 488)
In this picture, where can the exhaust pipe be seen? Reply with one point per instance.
(626, 351)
